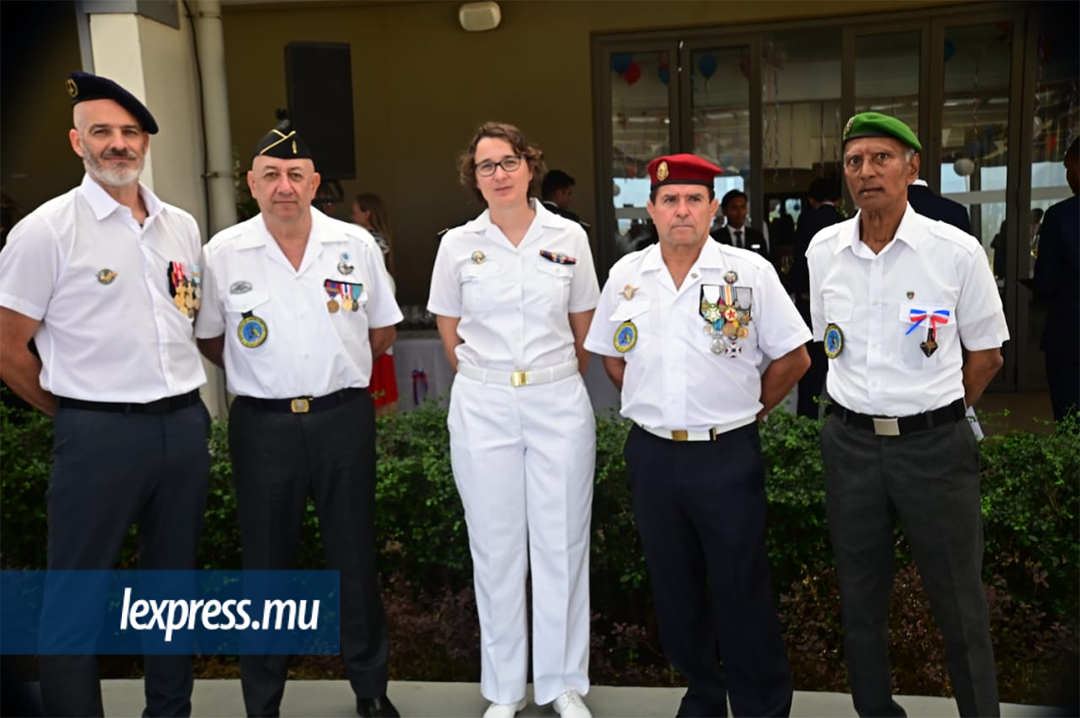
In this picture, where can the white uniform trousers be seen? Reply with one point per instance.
(523, 460)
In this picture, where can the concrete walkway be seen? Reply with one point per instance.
(220, 698)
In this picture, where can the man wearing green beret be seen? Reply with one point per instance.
(897, 298)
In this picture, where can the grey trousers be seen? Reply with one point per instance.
(930, 481)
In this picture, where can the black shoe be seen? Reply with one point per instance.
(380, 707)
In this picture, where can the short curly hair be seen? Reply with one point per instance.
(533, 156)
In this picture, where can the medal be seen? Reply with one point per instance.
(332, 289)
(731, 277)
(726, 311)
(629, 291)
(106, 276)
(477, 257)
(834, 341)
(557, 257)
(625, 336)
(346, 297)
(251, 331)
(930, 345)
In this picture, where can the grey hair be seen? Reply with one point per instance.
(909, 155)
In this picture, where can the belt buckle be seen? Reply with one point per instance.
(712, 434)
(886, 426)
(519, 378)
(301, 405)
(680, 435)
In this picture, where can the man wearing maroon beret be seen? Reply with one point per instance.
(685, 328)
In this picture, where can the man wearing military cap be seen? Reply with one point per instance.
(105, 279)
(297, 305)
(685, 327)
(897, 298)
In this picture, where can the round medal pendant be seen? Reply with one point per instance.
(252, 331)
(742, 333)
(730, 330)
(332, 305)
(347, 304)
(709, 329)
(717, 345)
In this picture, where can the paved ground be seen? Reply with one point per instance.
(453, 700)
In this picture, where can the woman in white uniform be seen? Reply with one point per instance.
(513, 292)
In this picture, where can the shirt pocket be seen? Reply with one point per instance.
(630, 322)
(553, 286)
(838, 311)
(479, 288)
(913, 333)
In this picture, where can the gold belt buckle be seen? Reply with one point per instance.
(680, 435)
(519, 378)
(300, 406)
(712, 434)
(886, 426)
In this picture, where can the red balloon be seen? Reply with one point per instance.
(632, 74)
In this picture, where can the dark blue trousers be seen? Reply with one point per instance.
(278, 460)
(111, 471)
(700, 510)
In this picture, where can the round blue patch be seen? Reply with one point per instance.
(252, 331)
(625, 336)
(834, 341)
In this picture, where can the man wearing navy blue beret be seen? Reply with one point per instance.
(105, 280)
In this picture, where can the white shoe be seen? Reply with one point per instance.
(504, 710)
(570, 705)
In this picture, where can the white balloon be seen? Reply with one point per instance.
(964, 167)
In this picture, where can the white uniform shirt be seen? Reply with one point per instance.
(122, 339)
(673, 379)
(513, 303)
(308, 351)
(929, 268)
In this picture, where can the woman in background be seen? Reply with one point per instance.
(369, 212)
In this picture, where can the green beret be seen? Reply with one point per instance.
(875, 124)
(283, 143)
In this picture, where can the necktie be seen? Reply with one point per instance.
(738, 238)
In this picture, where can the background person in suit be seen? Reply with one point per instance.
(930, 204)
(735, 232)
(1057, 281)
(823, 197)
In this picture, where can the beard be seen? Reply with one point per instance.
(97, 168)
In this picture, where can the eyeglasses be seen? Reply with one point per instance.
(487, 168)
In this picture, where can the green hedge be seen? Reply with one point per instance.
(1031, 499)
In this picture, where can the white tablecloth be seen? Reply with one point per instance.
(423, 372)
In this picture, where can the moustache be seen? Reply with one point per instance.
(118, 154)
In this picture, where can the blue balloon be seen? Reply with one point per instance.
(664, 73)
(707, 65)
(949, 50)
(620, 61)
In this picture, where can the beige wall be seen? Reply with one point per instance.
(422, 85)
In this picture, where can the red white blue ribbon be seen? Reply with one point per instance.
(918, 316)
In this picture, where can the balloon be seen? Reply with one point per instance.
(632, 74)
(620, 61)
(707, 65)
(949, 50)
(964, 167)
(664, 73)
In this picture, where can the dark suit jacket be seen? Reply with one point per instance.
(569, 214)
(751, 237)
(924, 201)
(1057, 277)
(810, 223)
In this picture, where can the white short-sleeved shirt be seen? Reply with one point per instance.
(308, 350)
(929, 269)
(673, 379)
(514, 303)
(100, 285)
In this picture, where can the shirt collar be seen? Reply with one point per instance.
(256, 234)
(909, 232)
(711, 257)
(103, 204)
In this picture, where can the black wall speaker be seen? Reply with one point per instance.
(319, 79)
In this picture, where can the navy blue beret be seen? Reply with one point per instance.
(83, 86)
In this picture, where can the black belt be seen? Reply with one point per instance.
(895, 426)
(302, 404)
(161, 406)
